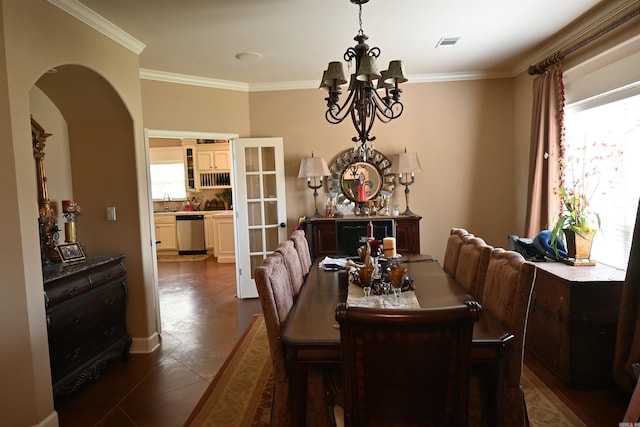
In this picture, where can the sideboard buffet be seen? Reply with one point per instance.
(323, 233)
(86, 309)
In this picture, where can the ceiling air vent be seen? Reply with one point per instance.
(447, 42)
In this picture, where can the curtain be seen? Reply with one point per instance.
(545, 154)
(628, 333)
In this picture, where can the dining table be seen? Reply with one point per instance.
(311, 336)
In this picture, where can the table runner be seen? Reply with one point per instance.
(356, 298)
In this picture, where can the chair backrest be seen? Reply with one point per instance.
(292, 262)
(276, 299)
(507, 294)
(452, 251)
(406, 367)
(473, 262)
(302, 246)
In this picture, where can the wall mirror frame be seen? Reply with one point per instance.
(347, 171)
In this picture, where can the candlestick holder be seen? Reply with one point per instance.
(71, 212)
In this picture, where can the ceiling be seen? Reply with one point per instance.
(297, 38)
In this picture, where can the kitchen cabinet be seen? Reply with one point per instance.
(86, 320)
(213, 165)
(166, 233)
(209, 232)
(224, 246)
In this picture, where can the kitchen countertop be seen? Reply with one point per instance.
(214, 213)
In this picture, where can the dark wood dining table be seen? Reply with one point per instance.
(310, 335)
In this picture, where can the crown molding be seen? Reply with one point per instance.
(563, 40)
(185, 79)
(98, 23)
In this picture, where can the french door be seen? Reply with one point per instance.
(259, 201)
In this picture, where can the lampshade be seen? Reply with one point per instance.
(382, 84)
(313, 166)
(335, 72)
(405, 163)
(368, 69)
(395, 73)
(323, 82)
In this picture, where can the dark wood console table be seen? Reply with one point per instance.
(323, 239)
(86, 307)
(572, 321)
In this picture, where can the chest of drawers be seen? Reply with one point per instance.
(86, 309)
(573, 319)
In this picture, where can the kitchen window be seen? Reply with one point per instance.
(167, 173)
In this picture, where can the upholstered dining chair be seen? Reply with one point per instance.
(473, 262)
(405, 367)
(302, 246)
(276, 299)
(452, 251)
(507, 295)
(292, 262)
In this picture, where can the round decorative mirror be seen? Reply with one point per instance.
(348, 173)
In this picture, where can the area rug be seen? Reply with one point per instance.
(544, 408)
(240, 394)
(180, 258)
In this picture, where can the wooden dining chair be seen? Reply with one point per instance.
(276, 298)
(473, 262)
(292, 262)
(507, 294)
(301, 244)
(405, 367)
(452, 251)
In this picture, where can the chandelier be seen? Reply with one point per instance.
(372, 94)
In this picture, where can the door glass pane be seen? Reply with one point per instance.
(271, 213)
(268, 159)
(256, 261)
(253, 186)
(272, 238)
(255, 240)
(254, 213)
(270, 191)
(251, 159)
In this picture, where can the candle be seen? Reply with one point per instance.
(389, 246)
(362, 195)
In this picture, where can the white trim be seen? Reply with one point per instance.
(100, 24)
(185, 79)
(145, 345)
(163, 133)
(50, 420)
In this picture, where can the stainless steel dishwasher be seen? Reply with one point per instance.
(190, 230)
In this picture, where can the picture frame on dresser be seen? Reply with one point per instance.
(70, 252)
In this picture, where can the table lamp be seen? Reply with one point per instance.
(405, 163)
(316, 168)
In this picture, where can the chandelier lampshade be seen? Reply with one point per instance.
(372, 94)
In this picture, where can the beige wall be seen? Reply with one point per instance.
(36, 37)
(462, 132)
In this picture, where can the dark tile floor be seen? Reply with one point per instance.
(201, 321)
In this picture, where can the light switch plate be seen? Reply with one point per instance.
(111, 213)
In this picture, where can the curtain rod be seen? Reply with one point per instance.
(545, 64)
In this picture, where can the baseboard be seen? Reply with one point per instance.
(50, 421)
(145, 345)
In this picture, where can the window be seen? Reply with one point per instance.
(606, 135)
(167, 173)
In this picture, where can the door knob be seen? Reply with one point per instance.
(283, 225)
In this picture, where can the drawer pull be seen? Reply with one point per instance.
(559, 315)
(110, 301)
(109, 332)
(73, 355)
(71, 291)
(75, 319)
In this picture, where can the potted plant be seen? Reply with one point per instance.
(226, 196)
(577, 223)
